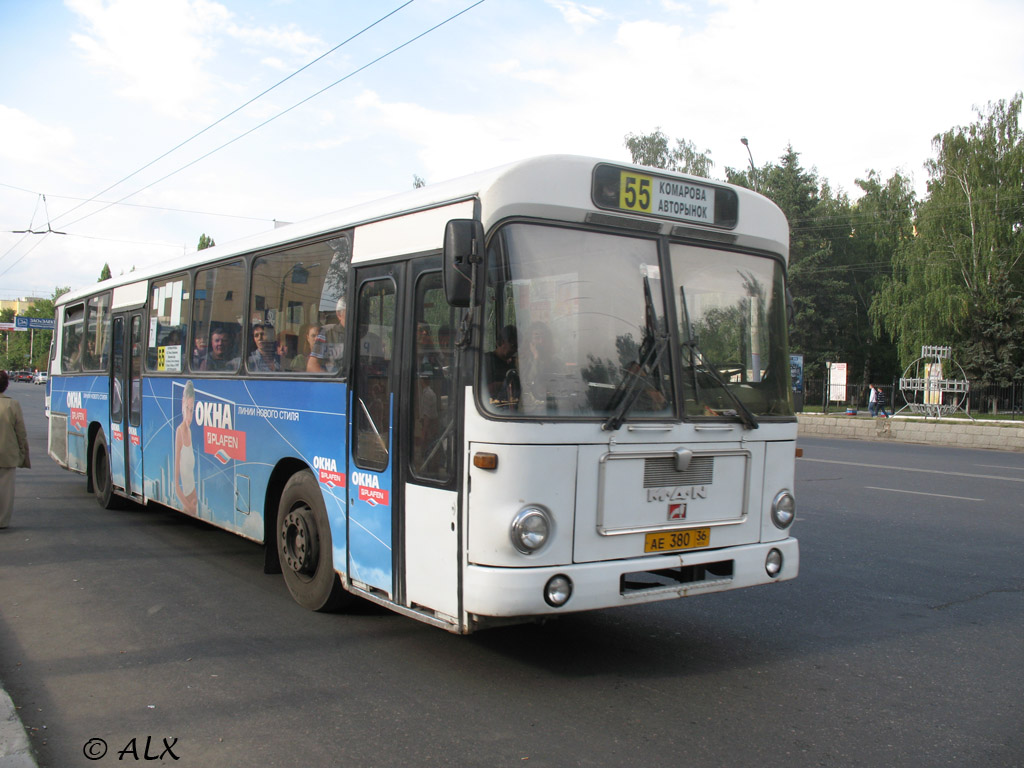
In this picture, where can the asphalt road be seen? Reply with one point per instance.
(900, 644)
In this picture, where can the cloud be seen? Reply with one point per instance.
(578, 16)
(24, 139)
(290, 39)
(163, 52)
(157, 50)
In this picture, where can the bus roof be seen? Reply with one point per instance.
(555, 187)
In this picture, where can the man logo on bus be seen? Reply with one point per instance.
(676, 511)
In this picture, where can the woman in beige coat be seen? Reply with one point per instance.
(13, 449)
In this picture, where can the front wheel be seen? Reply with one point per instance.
(304, 546)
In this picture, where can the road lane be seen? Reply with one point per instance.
(900, 644)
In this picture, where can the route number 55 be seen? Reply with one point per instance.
(635, 194)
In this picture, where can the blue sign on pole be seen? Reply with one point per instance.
(44, 323)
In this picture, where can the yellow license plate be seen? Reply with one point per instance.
(670, 541)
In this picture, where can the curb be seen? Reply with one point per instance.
(15, 750)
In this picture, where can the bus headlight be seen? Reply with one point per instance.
(773, 563)
(783, 509)
(530, 529)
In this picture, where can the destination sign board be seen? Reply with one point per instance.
(670, 197)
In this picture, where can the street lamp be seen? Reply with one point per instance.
(753, 170)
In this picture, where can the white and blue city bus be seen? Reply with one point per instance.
(557, 386)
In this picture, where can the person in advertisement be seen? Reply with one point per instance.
(185, 454)
(13, 449)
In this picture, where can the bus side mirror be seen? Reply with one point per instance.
(463, 247)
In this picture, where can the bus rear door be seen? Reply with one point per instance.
(125, 411)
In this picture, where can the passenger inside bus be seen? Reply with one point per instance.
(538, 368)
(500, 367)
(221, 355)
(329, 346)
(263, 357)
(308, 336)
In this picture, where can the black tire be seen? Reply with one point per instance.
(102, 484)
(304, 546)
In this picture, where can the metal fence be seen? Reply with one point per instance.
(1006, 402)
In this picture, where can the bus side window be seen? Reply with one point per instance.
(169, 309)
(217, 304)
(71, 339)
(294, 323)
(97, 333)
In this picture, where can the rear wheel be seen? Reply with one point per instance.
(304, 546)
(102, 485)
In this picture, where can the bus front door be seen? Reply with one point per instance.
(372, 491)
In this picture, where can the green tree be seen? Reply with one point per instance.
(104, 273)
(205, 241)
(418, 181)
(29, 349)
(652, 150)
(960, 280)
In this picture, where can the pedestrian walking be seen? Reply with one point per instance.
(13, 449)
(880, 402)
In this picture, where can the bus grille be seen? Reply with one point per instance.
(661, 471)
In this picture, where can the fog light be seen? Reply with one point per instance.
(557, 591)
(783, 509)
(773, 563)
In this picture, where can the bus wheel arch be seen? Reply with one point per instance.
(275, 486)
(302, 537)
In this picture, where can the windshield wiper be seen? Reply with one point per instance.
(743, 412)
(651, 350)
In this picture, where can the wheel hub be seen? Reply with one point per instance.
(299, 541)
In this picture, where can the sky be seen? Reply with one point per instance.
(99, 98)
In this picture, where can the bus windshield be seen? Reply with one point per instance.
(576, 326)
(732, 333)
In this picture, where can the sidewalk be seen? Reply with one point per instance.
(15, 751)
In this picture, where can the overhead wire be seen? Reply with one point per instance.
(232, 113)
(269, 120)
(253, 129)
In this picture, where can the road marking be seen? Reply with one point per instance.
(911, 469)
(922, 493)
(999, 466)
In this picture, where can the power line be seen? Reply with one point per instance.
(283, 112)
(255, 128)
(149, 207)
(225, 117)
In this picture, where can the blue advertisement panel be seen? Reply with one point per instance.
(83, 399)
(211, 445)
(207, 447)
